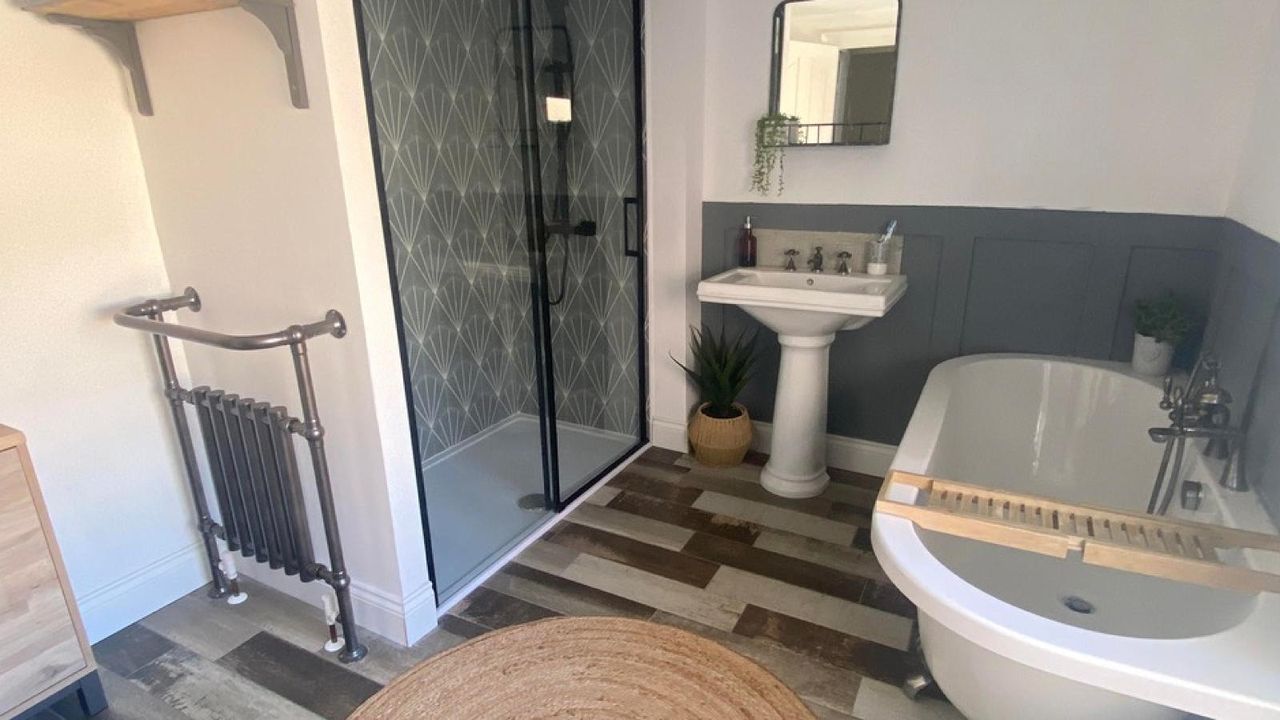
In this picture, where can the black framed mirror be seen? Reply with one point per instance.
(834, 69)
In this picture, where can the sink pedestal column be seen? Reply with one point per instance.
(797, 465)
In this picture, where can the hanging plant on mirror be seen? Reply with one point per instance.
(772, 131)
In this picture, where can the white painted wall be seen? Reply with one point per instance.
(674, 116)
(77, 241)
(1255, 198)
(271, 213)
(1138, 105)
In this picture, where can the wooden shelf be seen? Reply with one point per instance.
(1145, 544)
(128, 10)
(112, 22)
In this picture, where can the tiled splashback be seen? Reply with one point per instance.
(771, 247)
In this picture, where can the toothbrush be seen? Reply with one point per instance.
(879, 261)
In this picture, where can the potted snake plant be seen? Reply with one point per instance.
(720, 429)
(1159, 325)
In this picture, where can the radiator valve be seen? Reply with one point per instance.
(228, 566)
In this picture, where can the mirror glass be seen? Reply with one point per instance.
(834, 64)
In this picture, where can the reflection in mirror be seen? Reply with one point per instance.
(834, 64)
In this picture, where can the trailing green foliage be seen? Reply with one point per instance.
(721, 368)
(772, 131)
(1164, 319)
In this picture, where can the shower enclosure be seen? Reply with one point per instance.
(508, 136)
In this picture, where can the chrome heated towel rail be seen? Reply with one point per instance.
(249, 446)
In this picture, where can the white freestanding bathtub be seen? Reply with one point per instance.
(1011, 635)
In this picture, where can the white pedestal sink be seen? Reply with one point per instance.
(806, 310)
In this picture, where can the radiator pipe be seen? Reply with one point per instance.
(171, 392)
(313, 431)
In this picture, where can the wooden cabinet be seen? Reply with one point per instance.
(44, 653)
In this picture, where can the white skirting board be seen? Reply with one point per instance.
(145, 590)
(125, 601)
(669, 434)
(403, 622)
(846, 453)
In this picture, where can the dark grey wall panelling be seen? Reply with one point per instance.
(1244, 331)
(981, 280)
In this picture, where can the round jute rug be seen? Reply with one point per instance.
(608, 668)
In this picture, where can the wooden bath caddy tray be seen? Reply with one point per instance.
(1156, 546)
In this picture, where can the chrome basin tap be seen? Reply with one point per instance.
(815, 262)
(791, 254)
(843, 256)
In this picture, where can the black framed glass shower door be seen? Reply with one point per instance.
(506, 135)
(583, 77)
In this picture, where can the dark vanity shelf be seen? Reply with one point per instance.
(112, 23)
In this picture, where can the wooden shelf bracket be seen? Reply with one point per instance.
(112, 22)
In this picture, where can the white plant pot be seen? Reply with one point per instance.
(1150, 356)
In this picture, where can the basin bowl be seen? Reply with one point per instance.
(803, 303)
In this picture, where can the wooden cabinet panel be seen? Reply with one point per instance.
(39, 646)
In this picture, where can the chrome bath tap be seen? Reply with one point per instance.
(1198, 410)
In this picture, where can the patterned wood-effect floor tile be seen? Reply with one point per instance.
(492, 610)
(854, 561)
(635, 482)
(656, 591)
(792, 571)
(562, 595)
(686, 517)
(130, 649)
(636, 527)
(865, 657)
(792, 584)
(816, 682)
(289, 671)
(881, 701)
(676, 566)
(203, 690)
(778, 518)
(827, 611)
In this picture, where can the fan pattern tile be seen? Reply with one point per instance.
(446, 103)
(595, 330)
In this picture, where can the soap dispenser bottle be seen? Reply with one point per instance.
(746, 245)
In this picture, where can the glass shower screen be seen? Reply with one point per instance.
(507, 136)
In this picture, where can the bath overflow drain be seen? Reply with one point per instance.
(1078, 605)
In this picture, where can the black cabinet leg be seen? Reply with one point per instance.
(92, 698)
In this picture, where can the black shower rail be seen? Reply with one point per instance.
(251, 457)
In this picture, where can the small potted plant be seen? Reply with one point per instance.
(773, 132)
(720, 429)
(1159, 326)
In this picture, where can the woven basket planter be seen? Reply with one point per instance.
(720, 441)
